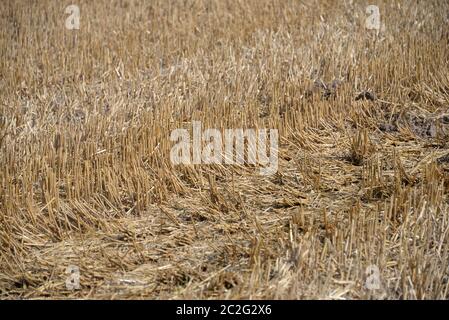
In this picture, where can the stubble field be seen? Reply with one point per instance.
(359, 206)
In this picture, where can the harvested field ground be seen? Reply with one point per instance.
(86, 178)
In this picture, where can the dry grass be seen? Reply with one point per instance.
(86, 179)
